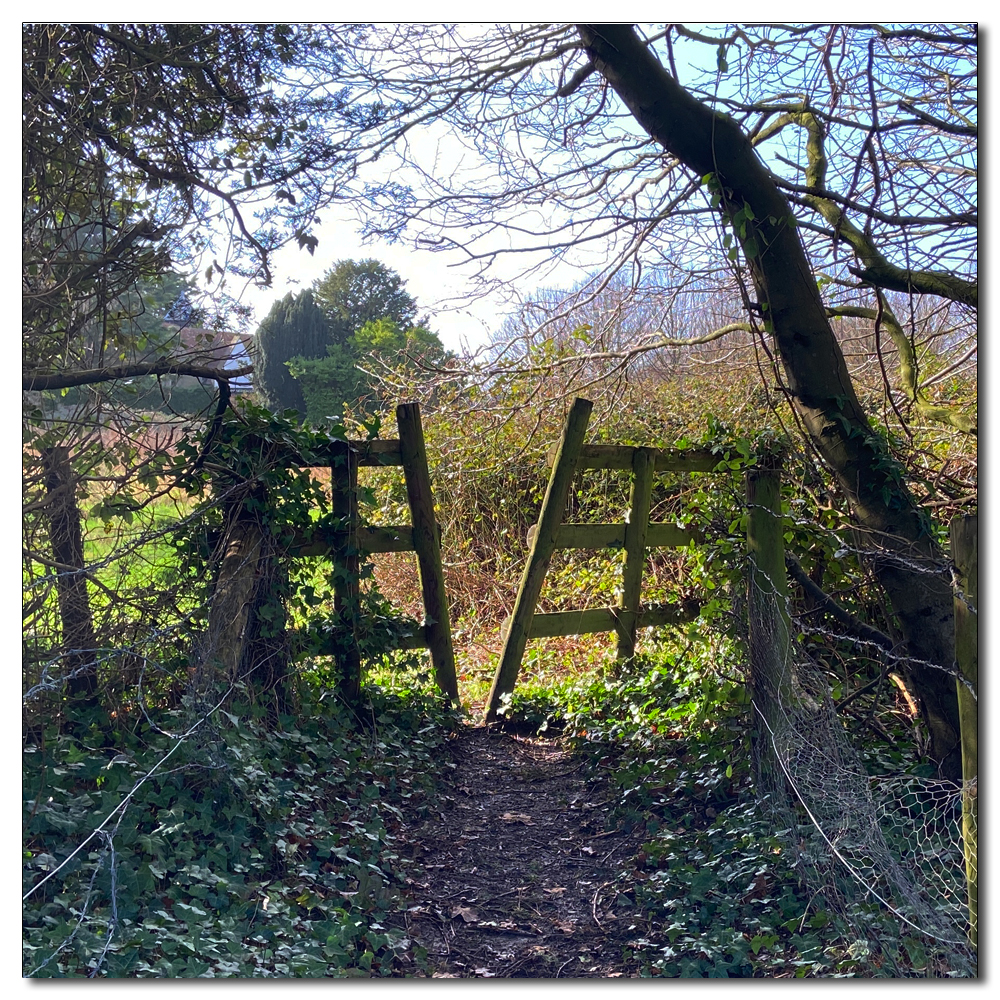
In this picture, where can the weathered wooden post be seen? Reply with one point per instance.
(770, 669)
(347, 566)
(66, 538)
(965, 556)
(425, 542)
(542, 546)
(636, 528)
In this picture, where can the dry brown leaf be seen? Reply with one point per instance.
(565, 926)
(468, 914)
(556, 890)
(518, 818)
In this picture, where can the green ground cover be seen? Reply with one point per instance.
(240, 851)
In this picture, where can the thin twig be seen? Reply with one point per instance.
(593, 905)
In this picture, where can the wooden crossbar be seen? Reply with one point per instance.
(612, 536)
(546, 625)
(332, 645)
(368, 454)
(621, 456)
(369, 540)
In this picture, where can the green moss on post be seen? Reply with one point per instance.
(770, 671)
(965, 555)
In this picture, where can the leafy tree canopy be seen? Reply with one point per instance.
(355, 292)
(153, 147)
(370, 317)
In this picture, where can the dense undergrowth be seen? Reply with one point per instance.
(243, 850)
(240, 849)
(260, 845)
(721, 890)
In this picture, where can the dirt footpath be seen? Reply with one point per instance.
(517, 867)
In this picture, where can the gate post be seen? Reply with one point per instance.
(346, 589)
(643, 463)
(770, 670)
(542, 547)
(425, 542)
(66, 538)
(965, 555)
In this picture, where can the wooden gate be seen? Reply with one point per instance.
(635, 536)
(350, 540)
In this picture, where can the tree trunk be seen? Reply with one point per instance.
(66, 536)
(221, 651)
(246, 638)
(896, 530)
(265, 660)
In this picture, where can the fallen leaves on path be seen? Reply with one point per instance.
(505, 904)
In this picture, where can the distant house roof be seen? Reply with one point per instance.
(198, 345)
(239, 357)
(212, 348)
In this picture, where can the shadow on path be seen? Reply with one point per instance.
(517, 866)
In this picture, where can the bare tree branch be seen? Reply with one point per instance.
(65, 380)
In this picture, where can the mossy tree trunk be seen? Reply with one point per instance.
(246, 639)
(66, 538)
(815, 370)
(265, 659)
(221, 650)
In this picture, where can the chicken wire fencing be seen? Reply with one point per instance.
(878, 847)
